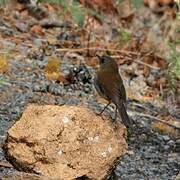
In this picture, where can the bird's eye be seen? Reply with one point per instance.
(102, 60)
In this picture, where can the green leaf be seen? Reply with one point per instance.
(78, 13)
(3, 2)
(125, 36)
(174, 60)
(137, 3)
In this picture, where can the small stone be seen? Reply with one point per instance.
(171, 143)
(23, 27)
(109, 149)
(166, 147)
(64, 36)
(103, 154)
(60, 152)
(82, 94)
(130, 152)
(96, 139)
(56, 89)
(178, 141)
(166, 138)
(36, 88)
(86, 89)
(66, 119)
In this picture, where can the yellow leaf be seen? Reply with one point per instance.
(164, 128)
(4, 64)
(52, 68)
(53, 65)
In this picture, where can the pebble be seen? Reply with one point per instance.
(166, 137)
(56, 89)
(171, 143)
(66, 36)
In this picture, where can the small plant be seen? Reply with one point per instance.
(174, 61)
(137, 3)
(77, 12)
(3, 2)
(125, 37)
(173, 73)
(178, 4)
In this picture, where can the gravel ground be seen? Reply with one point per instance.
(151, 155)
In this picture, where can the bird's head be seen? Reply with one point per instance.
(107, 62)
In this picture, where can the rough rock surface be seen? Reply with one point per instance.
(65, 142)
(25, 176)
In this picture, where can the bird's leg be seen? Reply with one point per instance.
(115, 114)
(104, 108)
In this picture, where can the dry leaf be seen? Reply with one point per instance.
(146, 71)
(164, 128)
(161, 82)
(166, 2)
(19, 7)
(128, 18)
(4, 64)
(37, 12)
(24, 14)
(140, 98)
(52, 65)
(52, 68)
(50, 8)
(53, 73)
(63, 79)
(104, 5)
(162, 63)
(156, 5)
(36, 29)
(52, 76)
(92, 62)
(160, 2)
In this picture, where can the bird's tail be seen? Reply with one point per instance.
(124, 116)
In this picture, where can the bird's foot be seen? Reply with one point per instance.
(99, 113)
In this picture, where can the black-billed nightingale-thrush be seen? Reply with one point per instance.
(109, 85)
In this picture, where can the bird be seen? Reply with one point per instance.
(109, 85)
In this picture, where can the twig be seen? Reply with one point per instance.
(138, 61)
(138, 105)
(96, 49)
(111, 50)
(57, 24)
(145, 64)
(89, 37)
(51, 24)
(159, 120)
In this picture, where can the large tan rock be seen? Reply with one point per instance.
(65, 142)
(24, 176)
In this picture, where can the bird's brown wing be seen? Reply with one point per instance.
(120, 101)
(99, 85)
(111, 86)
